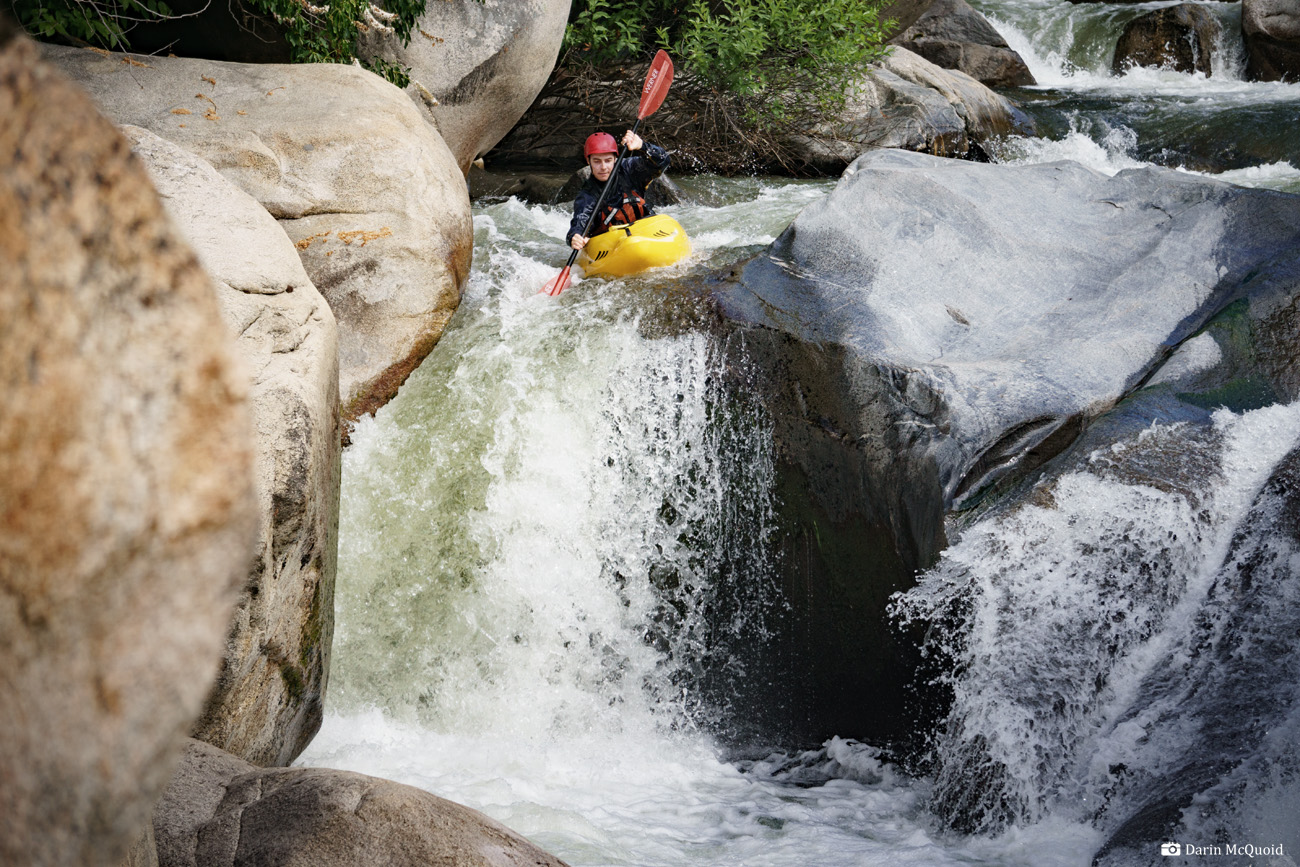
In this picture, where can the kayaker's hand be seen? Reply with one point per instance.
(633, 141)
(578, 242)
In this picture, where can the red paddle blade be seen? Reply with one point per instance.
(559, 284)
(656, 84)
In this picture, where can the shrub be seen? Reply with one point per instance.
(776, 56)
(97, 22)
(325, 33)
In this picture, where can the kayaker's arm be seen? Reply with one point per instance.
(643, 169)
(652, 162)
(658, 157)
(583, 206)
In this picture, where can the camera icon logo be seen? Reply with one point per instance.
(1171, 848)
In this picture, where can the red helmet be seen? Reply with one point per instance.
(599, 143)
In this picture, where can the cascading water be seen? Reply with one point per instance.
(550, 542)
(1100, 634)
(557, 540)
(1243, 131)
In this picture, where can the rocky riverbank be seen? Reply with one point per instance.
(310, 233)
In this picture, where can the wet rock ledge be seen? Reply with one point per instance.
(935, 332)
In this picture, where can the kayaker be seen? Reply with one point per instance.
(625, 202)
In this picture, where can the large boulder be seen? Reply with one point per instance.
(954, 35)
(126, 488)
(1179, 37)
(938, 329)
(476, 65)
(1271, 30)
(358, 180)
(220, 811)
(268, 701)
(910, 103)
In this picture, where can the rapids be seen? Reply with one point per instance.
(567, 511)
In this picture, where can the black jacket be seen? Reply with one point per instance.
(632, 174)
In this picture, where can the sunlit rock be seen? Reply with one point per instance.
(1180, 38)
(358, 180)
(954, 35)
(268, 700)
(475, 65)
(220, 811)
(127, 507)
(910, 103)
(1271, 29)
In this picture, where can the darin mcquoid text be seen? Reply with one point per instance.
(1227, 849)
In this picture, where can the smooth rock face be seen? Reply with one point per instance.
(1271, 29)
(127, 508)
(954, 35)
(941, 328)
(1177, 37)
(268, 700)
(476, 65)
(910, 103)
(358, 180)
(219, 812)
(1004, 287)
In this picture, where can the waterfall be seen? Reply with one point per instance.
(553, 529)
(1105, 637)
(1222, 124)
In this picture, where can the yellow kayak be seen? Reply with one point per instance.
(651, 242)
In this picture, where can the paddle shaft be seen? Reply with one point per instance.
(600, 201)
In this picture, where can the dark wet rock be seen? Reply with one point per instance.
(954, 35)
(1271, 30)
(934, 331)
(1180, 38)
(532, 189)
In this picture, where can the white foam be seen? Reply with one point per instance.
(1072, 604)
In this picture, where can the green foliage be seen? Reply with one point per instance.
(328, 32)
(102, 23)
(324, 31)
(608, 29)
(398, 75)
(813, 49)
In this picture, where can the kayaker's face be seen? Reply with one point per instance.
(602, 165)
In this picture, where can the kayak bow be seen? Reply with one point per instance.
(651, 242)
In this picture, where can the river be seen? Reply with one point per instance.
(527, 531)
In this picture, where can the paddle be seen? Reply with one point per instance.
(652, 96)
